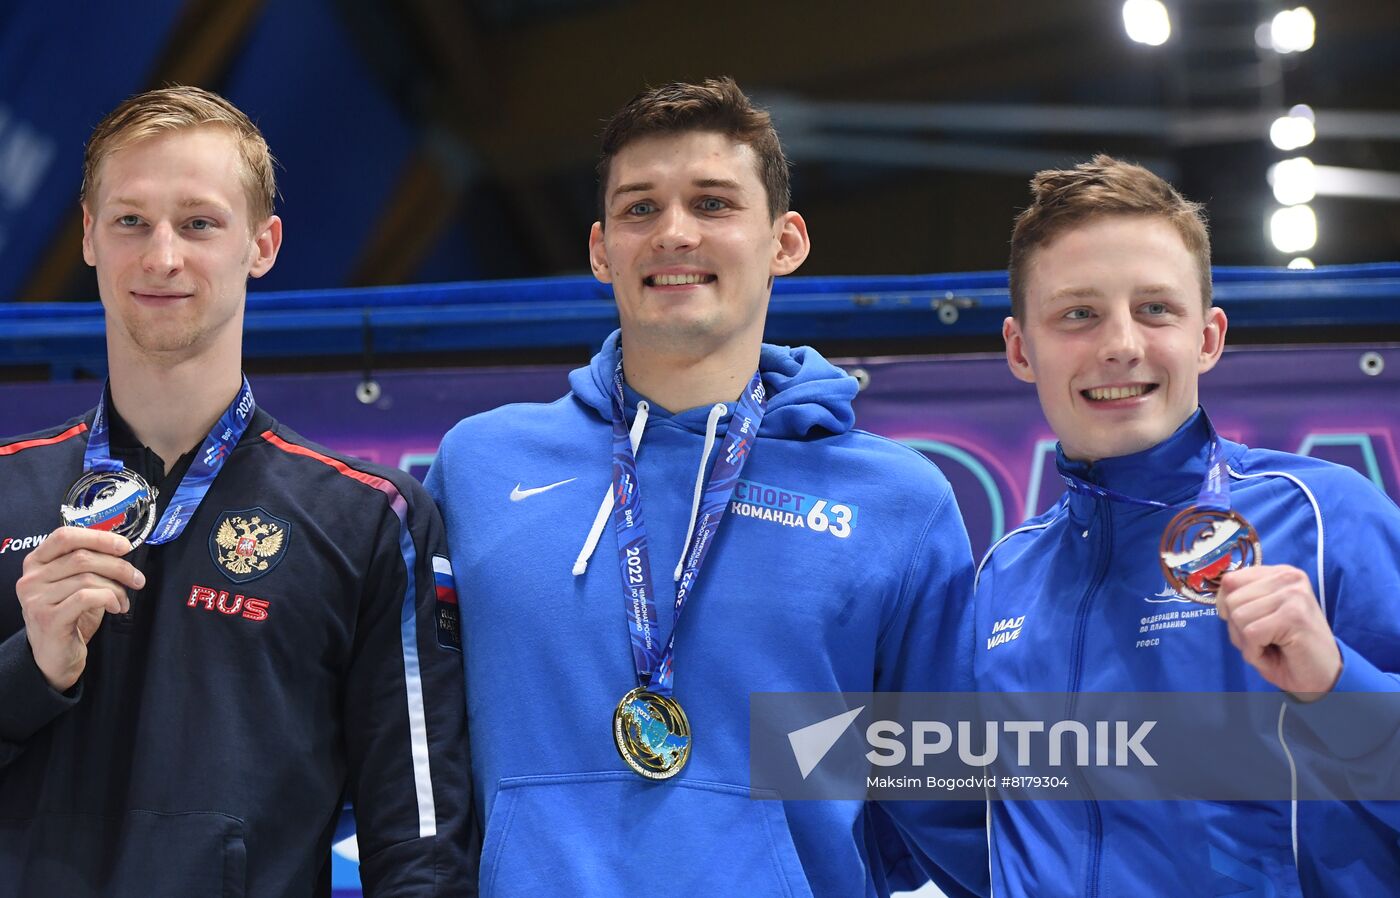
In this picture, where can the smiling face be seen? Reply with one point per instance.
(1115, 337)
(168, 231)
(689, 247)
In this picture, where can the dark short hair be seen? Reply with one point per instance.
(716, 104)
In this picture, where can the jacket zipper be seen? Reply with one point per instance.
(1102, 510)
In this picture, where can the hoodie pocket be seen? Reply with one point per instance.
(142, 854)
(614, 834)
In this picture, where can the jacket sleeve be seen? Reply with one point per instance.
(405, 713)
(30, 702)
(927, 646)
(1358, 723)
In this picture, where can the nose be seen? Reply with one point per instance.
(676, 230)
(162, 255)
(1121, 339)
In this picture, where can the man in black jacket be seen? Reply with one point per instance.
(245, 629)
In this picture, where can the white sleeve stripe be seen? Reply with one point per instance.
(1317, 516)
(413, 687)
(442, 565)
(985, 558)
(1322, 600)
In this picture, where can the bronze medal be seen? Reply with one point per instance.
(1200, 546)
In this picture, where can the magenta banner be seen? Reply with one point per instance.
(982, 427)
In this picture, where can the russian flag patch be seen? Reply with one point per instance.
(449, 621)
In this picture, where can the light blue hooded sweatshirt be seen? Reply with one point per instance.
(847, 568)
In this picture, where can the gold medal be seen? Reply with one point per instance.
(1200, 546)
(651, 733)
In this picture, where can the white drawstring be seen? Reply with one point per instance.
(596, 531)
(716, 412)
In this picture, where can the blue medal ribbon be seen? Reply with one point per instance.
(1215, 488)
(654, 664)
(226, 433)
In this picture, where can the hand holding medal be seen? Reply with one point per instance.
(1277, 623)
(1210, 554)
(79, 573)
(69, 582)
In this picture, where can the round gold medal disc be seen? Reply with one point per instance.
(1199, 546)
(120, 502)
(651, 733)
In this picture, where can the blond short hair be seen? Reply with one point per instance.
(176, 108)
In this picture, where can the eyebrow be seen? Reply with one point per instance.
(191, 203)
(1073, 293)
(1065, 293)
(703, 183)
(723, 183)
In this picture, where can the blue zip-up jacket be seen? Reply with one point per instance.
(1085, 576)
(841, 565)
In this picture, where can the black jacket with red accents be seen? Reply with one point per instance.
(293, 648)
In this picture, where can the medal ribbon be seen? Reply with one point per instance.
(654, 664)
(1215, 489)
(212, 453)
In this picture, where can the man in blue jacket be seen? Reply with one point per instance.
(1113, 323)
(612, 643)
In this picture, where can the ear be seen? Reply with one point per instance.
(89, 256)
(598, 254)
(266, 246)
(1016, 357)
(792, 244)
(1212, 339)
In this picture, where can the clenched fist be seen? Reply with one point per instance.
(1277, 624)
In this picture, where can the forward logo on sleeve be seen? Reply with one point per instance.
(793, 509)
(21, 543)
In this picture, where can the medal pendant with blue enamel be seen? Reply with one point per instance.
(652, 734)
(120, 502)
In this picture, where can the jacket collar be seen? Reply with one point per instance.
(1170, 472)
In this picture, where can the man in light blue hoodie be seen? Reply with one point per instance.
(609, 737)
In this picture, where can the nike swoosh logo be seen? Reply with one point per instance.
(517, 494)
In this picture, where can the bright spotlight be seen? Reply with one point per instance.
(1293, 229)
(1302, 263)
(1293, 30)
(1147, 22)
(1294, 180)
(1289, 132)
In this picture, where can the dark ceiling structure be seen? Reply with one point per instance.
(913, 126)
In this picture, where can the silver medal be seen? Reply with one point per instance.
(120, 502)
